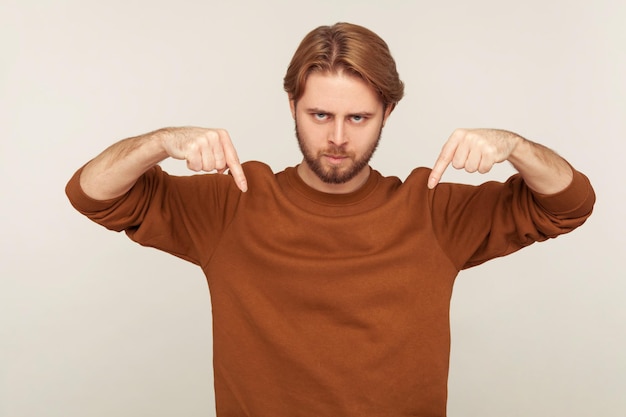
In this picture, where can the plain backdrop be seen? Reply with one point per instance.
(94, 325)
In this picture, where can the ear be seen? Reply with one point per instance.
(292, 107)
(388, 111)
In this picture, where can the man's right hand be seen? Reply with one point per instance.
(204, 150)
(116, 169)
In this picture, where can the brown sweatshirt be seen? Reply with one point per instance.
(326, 304)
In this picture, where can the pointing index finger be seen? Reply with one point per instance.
(437, 172)
(232, 161)
(240, 179)
(445, 159)
(442, 163)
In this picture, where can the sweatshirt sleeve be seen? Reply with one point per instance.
(165, 212)
(477, 223)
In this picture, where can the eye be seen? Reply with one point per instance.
(320, 116)
(357, 118)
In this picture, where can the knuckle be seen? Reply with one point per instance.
(219, 163)
(460, 133)
(222, 135)
(218, 154)
(213, 135)
(191, 165)
(446, 155)
(192, 148)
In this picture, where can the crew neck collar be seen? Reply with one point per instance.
(331, 199)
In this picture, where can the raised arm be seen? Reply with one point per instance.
(117, 168)
(477, 150)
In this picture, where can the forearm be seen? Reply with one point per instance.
(543, 170)
(114, 171)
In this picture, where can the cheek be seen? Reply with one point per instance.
(311, 130)
(364, 134)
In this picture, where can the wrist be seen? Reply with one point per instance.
(543, 170)
(157, 143)
(521, 150)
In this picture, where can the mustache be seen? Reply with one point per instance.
(335, 150)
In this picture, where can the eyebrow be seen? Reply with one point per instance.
(357, 113)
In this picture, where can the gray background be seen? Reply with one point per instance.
(94, 325)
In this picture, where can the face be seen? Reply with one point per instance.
(339, 120)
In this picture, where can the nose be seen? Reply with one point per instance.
(338, 133)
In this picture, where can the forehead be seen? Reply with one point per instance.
(339, 92)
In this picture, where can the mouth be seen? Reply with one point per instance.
(335, 159)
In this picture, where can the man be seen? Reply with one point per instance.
(330, 283)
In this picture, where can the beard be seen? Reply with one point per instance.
(336, 174)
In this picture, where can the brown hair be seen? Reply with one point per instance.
(347, 47)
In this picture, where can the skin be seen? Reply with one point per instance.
(478, 150)
(339, 119)
(113, 172)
